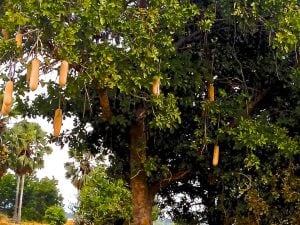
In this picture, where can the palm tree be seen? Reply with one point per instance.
(27, 143)
(80, 168)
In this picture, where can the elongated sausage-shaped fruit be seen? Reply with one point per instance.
(215, 160)
(155, 86)
(19, 39)
(5, 109)
(63, 73)
(57, 122)
(9, 88)
(34, 74)
(7, 100)
(211, 92)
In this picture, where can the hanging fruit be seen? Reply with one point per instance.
(155, 86)
(34, 74)
(215, 160)
(63, 73)
(9, 88)
(19, 39)
(5, 109)
(57, 122)
(211, 93)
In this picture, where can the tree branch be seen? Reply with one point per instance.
(163, 183)
(257, 99)
(250, 106)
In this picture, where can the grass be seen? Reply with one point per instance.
(4, 220)
(31, 223)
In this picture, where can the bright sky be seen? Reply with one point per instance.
(54, 165)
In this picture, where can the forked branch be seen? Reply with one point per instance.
(163, 183)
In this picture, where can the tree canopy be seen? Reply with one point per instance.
(159, 83)
(27, 143)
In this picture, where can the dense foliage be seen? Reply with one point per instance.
(249, 51)
(8, 194)
(39, 194)
(55, 215)
(103, 200)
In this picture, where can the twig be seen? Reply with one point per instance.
(136, 174)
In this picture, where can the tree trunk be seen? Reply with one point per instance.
(21, 199)
(142, 199)
(15, 216)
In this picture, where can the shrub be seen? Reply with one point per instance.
(55, 215)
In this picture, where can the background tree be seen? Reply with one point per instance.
(39, 194)
(27, 143)
(7, 194)
(247, 50)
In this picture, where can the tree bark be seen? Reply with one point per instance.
(104, 103)
(20, 199)
(142, 198)
(15, 216)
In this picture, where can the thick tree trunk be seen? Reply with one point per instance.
(142, 199)
(20, 199)
(15, 216)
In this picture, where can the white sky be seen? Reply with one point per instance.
(54, 165)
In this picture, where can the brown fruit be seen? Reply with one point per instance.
(5, 109)
(57, 122)
(9, 88)
(34, 74)
(155, 86)
(19, 39)
(63, 73)
(211, 92)
(215, 160)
